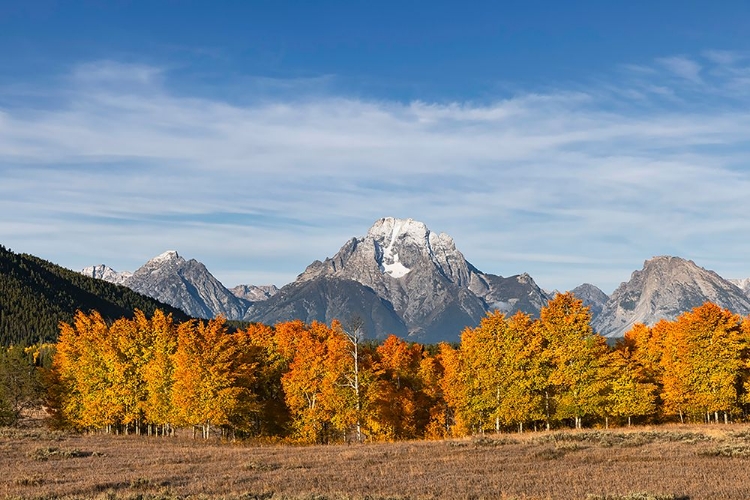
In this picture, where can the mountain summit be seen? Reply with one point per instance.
(400, 278)
(186, 284)
(663, 289)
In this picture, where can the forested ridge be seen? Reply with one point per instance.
(36, 295)
(322, 383)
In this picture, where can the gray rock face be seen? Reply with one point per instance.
(184, 284)
(515, 293)
(743, 284)
(663, 289)
(187, 285)
(328, 298)
(592, 297)
(253, 293)
(106, 273)
(423, 282)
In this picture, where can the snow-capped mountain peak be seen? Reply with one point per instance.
(421, 283)
(167, 256)
(385, 234)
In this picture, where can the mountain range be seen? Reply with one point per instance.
(404, 279)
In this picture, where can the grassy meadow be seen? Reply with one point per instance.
(664, 462)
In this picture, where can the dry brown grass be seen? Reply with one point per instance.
(669, 462)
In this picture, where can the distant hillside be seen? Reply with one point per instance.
(36, 295)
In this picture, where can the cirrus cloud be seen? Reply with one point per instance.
(570, 185)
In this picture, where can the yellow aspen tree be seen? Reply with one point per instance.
(123, 353)
(577, 356)
(711, 359)
(522, 371)
(631, 394)
(158, 371)
(204, 392)
(481, 355)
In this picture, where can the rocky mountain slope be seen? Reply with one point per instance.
(663, 289)
(253, 293)
(186, 284)
(400, 278)
(592, 297)
(404, 279)
(743, 284)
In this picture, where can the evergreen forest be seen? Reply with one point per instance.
(36, 295)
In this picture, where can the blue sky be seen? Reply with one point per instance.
(569, 140)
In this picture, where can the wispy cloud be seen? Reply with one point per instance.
(577, 184)
(683, 67)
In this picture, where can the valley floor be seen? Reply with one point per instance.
(667, 462)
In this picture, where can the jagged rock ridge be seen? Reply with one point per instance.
(421, 281)
(106, 273)
(592, 297)
(186, 285)
(253, 293)
(663, 289)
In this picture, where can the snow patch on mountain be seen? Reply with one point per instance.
(164, 257)
(423, 282)
(106, 273)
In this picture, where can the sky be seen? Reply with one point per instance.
(568, 140)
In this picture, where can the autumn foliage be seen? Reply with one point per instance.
(322, 383)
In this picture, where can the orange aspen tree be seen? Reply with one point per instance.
(319, 399)
(85, 370)
(454, 391)
(205, 392)
(431, 373)
(708, 359)
(398, 408)
(675, 393)
(274, 356)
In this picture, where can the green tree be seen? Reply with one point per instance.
(21, 386)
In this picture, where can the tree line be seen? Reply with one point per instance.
(324, 383)
(36, 295)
